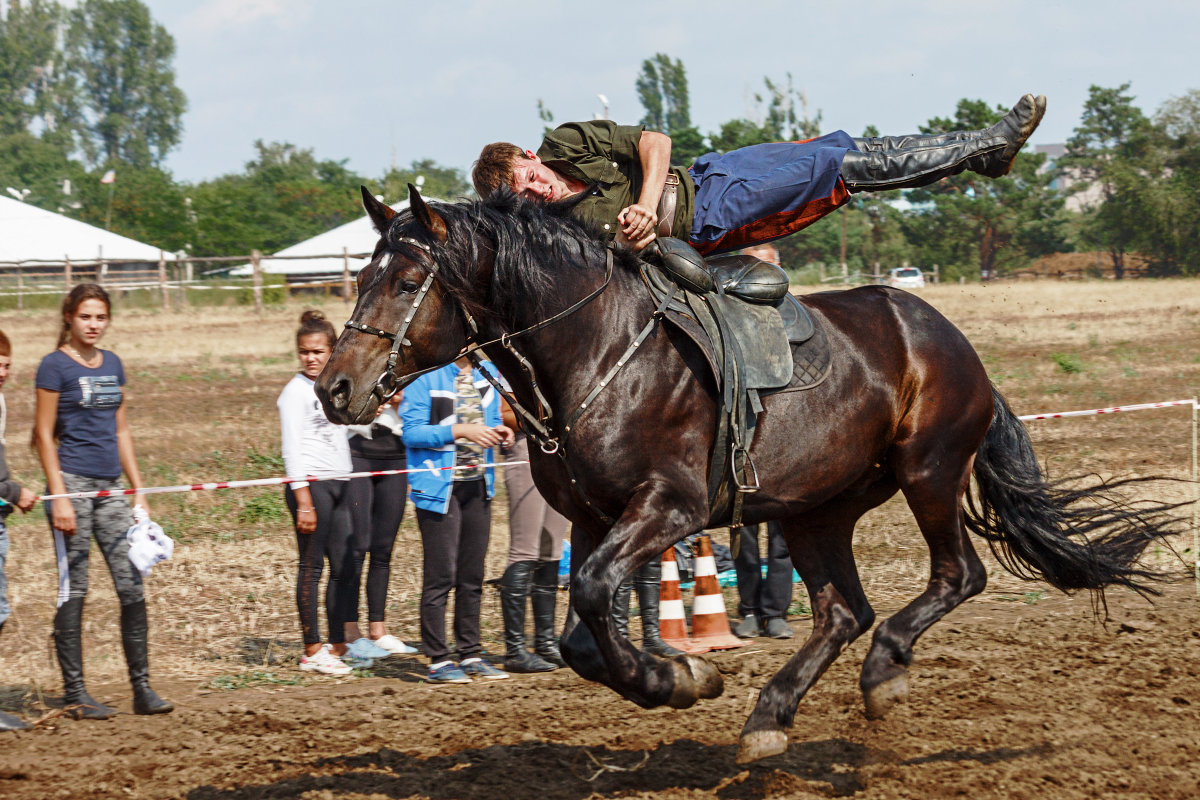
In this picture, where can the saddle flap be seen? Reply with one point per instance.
(758, 330)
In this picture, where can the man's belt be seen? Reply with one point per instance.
(666, 205)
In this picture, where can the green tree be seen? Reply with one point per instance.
(32, 81)
(122, 61)
(970, 224)
(284, 196)
(434, 180)
(1170, 201)
(662, 89)
(1105, 157)
(27, 162)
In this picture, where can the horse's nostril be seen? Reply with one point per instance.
(339, 394)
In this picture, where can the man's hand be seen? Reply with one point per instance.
(637, 221)
(637, 245)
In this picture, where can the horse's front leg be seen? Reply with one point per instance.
(653, 521)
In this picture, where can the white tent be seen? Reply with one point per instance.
(29, 233)
(356, 237)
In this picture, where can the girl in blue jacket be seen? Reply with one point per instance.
(451, 423)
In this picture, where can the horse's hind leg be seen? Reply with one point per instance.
(956, 573)
(820, 544)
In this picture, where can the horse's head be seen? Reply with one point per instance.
(403, 323)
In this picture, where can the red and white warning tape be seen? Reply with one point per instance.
(1112, 410)
(202, 487)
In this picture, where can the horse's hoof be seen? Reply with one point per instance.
(757, 745)
(685, 691)
(881, 698)
(709, 683)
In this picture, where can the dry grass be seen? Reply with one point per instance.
(202, 386)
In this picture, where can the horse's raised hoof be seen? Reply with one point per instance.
(709, 683)
(695, 678)
(757, 745)
(881, 698)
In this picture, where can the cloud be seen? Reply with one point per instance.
(219, 15)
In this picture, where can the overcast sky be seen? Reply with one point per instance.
(375, 82)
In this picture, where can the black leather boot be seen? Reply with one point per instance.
(647, 579)
(514, 589)
(68, 646)
(620, 606)
(134, 630)
(901, 162)
(543, 595)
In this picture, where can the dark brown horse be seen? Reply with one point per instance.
(907, 407)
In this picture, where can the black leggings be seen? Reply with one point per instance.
(376, 508)
(330, 540)
(454, 544)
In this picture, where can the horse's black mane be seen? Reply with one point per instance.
(539, 251)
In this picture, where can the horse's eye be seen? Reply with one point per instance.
(408, 287)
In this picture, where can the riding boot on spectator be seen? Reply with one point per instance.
(514, 589)
(68, 645)
(544, 598)
(646, 578)
(134, 635)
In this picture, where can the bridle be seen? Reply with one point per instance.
(538, 426)
(387, 385)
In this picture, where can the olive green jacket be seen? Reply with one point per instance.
(602, 152)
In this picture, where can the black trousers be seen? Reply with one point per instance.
(764, 597)
(376, 508)
(329, 541)
(455, 544)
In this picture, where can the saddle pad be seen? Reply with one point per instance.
(758, 330)
(812, 360)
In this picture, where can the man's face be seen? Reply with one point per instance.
(5, 363)
(533, 180)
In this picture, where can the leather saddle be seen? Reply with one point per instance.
(739, 312)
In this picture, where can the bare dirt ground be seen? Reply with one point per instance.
(1019, 693)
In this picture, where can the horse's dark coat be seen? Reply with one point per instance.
(908, 407)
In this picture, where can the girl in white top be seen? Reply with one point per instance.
(314, 446)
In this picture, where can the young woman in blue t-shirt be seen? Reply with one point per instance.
(83, 439)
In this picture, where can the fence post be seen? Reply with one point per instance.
(20, 291)
(67, 271)
(162, 281)
(345, 275)
(256, 264)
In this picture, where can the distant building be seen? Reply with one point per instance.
(1079, 200)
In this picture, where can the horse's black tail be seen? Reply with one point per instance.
(1073, 538)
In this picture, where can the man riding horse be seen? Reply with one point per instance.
(726, 201)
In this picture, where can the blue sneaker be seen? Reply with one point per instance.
(365, 648)
(479, 668)
(446, 672)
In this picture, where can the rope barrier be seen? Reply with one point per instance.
(1111, 410)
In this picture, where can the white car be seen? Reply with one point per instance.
(905, 278)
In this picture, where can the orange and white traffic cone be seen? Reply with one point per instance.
(672, 624)
(710, 625)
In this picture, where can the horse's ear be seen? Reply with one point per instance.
(380, 213)
(426, 215)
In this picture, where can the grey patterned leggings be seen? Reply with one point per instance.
(107, 520)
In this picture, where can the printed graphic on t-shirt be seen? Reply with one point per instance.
(101, 391)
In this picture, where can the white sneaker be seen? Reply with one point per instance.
(393, 645)
(324, 662)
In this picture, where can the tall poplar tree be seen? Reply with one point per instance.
(122, 61)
